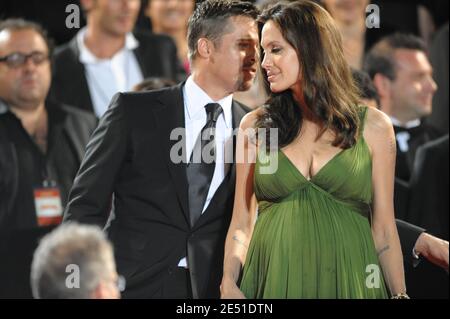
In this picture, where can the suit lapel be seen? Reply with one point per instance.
(227, 184)
(171, 116)
(77, 72)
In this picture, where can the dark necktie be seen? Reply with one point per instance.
(202, 163)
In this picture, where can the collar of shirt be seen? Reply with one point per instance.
(3, 107)
(196, 99)
(410, 124)
(86, 56)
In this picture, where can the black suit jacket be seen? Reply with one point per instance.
(68, 136)
(129, 156)
(19, 233)
(405, 160)
(429, 188)
(156, 56)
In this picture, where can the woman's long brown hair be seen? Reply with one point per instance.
(329, 94)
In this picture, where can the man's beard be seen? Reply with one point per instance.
(242, 85)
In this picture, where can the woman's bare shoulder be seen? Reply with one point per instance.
(377, 123)
(378, 131)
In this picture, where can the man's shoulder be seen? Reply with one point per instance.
(78, 113)
(74, 113)
(437, 147)
(242, 107)
(149, 99)
(66, 52)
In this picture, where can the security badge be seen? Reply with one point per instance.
(47, 200)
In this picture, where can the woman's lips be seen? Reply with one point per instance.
(271, 77)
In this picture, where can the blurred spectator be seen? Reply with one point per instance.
(105, 57)
(41, 142)
(75, 262)
(153, 84)
(171, 17)
(41, 147)
(402, 74)
(439, 56)
(357, 38)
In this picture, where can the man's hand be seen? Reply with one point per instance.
(435, 250)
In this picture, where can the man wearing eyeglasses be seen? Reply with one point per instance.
(41, 142)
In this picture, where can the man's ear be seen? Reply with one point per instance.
(204, 47)
(383, 84)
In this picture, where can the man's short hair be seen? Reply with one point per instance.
(18, 24)
(210, 20)
(380, 58)
(68, 249)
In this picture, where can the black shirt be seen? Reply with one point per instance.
(32, 167)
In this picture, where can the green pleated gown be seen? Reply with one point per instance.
(312, 238)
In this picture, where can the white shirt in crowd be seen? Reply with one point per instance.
(106, 77)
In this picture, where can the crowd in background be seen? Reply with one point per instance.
(52, 99)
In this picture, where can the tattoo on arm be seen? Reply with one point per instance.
(382, 250)
(239, 241)
(392, 146)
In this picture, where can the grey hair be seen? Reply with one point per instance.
(69, 245)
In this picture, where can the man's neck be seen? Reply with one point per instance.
(215, 92)
(103, 45)
(30, 116)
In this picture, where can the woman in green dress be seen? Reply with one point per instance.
(320, 225)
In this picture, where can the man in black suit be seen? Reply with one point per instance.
(169, 219)
(429, 188)
(105, 57)
(402, 74)
(41, 147)
(429, 209)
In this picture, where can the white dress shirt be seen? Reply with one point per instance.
(195, 100)
(106, 77)
(403, 137)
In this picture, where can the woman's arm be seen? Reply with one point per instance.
(244, 210)
(380, 137)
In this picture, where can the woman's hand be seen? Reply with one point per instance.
(229, 290)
